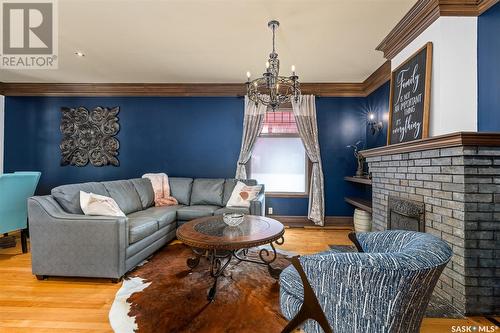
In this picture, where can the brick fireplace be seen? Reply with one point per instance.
(455, 180)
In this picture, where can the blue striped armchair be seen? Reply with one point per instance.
(386, 288)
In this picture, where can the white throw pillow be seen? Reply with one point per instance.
(243, 194)
(95, 204)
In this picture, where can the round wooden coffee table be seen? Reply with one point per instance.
(211, 237)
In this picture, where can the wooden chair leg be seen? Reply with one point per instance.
(352, 237)
(310, 309)
(24, 243)
(296, 321)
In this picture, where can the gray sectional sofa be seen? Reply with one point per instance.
(65, 242)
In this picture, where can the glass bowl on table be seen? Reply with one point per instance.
(233, 219)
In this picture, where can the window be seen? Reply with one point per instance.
(278, 159)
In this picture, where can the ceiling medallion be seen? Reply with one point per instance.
(272, 89)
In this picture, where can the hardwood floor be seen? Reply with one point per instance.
(82, 305)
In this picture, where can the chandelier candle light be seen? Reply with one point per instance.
(272, 89)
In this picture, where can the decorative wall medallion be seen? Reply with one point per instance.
(89, 136)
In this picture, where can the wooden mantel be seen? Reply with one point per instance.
(473, 139)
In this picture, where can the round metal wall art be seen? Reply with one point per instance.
(89, 136)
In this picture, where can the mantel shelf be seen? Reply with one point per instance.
(363, 204)
(361, 180)
(473, 139)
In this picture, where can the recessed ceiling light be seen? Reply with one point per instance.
(80, 53)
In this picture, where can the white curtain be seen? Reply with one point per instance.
(253, 122)
(305, 115)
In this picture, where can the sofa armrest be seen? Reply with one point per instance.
(66, 244)
(258, 205)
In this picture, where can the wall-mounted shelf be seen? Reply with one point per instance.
(363, 204)
(361, 180)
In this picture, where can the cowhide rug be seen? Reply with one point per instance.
(164, 295)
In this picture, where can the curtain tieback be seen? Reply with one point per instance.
(239, 163)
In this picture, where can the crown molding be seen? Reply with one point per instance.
(422, 15)
(485, 5)
(122, 89)
(336, 89)
(363, 89)
(164, 89)
(464, 7)
(378, 78)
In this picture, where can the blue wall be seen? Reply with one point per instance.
(378, 103)
(193, 137)
(341, 122)
(488, 70)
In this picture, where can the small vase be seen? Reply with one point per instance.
(362, 221)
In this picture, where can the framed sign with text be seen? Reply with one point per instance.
(410, 98)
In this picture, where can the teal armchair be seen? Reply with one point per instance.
(15, 189)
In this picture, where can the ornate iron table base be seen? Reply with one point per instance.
(220, 259)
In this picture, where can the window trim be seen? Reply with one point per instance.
(279, 135)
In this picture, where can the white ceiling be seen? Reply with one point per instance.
(216, 40)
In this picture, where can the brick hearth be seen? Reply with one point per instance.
(458, 178)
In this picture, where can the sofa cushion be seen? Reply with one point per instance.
(100, 205)
(144, 188)
(140, 228)
(164, 215)
(229, 185)
(243, 195)
(125, 195)
(242, 210)
(167, 233)
(180, 188)
(68, 196)
(193, 212)
(207, 192)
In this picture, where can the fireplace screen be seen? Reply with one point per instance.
(404, 214)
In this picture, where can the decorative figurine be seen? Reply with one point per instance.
(359, 158)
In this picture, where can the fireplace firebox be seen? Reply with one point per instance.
(405, 214)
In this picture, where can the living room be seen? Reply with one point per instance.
(250, 166)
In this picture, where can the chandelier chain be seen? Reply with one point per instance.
(274, 38)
